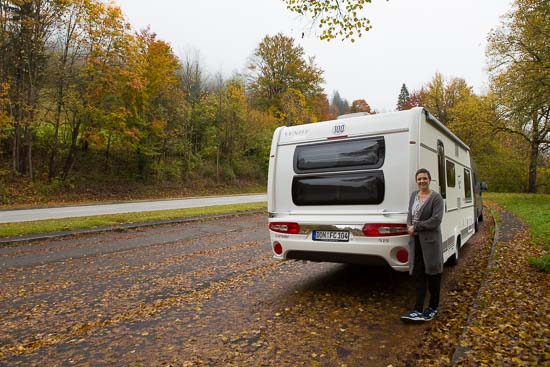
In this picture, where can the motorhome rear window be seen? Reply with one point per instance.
(339, 189)
(340, 155)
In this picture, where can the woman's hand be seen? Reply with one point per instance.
(410, 229)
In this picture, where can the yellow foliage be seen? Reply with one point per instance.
(158, 124)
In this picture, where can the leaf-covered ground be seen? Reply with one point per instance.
(204, 294)
(208, 294)
(439, 340)
(509, 323)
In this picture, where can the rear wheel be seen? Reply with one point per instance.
(453, 260)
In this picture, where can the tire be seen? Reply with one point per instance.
(480, 218)
(453, 260)
(476, 225)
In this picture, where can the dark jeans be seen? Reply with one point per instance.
(421, 279)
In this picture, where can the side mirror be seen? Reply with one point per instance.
(483, 186)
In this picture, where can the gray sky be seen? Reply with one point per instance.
(410, 40)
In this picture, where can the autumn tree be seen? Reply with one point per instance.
(403, 98)
(282, 80)
(232, 138)
(320, 108)
(69, 48)
(25, 28)
(107, 78)
(454, 104)
(194, 88)
(360, 105)
(519, 59)
(502, 159)
(440, 95)
(152, 100)
(84, 98)
(295, 108)
(259, 127)
(414, 100)
(232, 124)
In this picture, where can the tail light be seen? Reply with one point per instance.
(384, 229)
(402, 256)
(285, 227)
(277, 248)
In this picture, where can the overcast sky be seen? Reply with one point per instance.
(410, 41)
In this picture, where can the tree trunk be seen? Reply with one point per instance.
(533, 158)
(184, 154)
(17, 137)
(28, 140)
(53, 153)
(71, 26)
(16, 149)
(29, 126)
(108, 153)
(189, 149)
(164, 155)
(218, 163)
(69, 161)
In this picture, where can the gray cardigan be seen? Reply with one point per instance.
(428, 230)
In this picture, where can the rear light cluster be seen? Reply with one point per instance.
(384, 229)
(285, 227)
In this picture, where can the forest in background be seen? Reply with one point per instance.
(85, 100)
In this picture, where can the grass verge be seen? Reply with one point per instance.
(534, 210)
(68, 224)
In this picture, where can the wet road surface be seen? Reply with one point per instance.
(195, 294)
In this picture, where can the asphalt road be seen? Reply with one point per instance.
(196, 294)
(25, 215)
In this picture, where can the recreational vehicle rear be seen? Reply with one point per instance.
(338, 190)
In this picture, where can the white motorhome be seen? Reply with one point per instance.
(338, 190)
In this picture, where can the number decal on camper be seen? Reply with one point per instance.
(338, 129)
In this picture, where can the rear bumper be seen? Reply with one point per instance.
(359, 250)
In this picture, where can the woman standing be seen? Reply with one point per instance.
(425, 246)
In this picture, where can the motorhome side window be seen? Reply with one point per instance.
(340, 156)
(441, 169)
(451, 177)
(467, 185)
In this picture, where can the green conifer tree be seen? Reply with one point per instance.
(403, 98)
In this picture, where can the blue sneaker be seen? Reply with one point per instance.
(413, 315)
(429, 314)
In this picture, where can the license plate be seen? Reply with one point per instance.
(335, 236)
